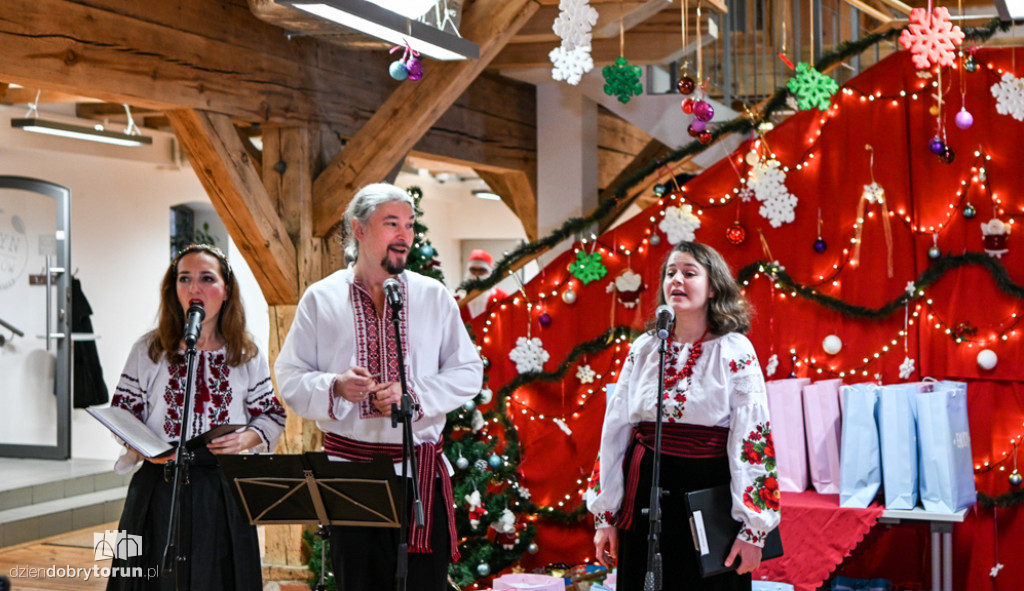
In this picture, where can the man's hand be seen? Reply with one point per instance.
(384, 395)
(355, 384)
(749, 555)
(234, 443)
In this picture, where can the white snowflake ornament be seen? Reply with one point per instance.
(772, 365)
(778, 205)
(573, 24)
(931, 37)
(910, 289)
(1009, 95)
(873, 193)
(746, 193)
(585, 375)
(570, 64)
(679, 224)
(906, 368)
(995, 570)
(561, 425)
(529, 355)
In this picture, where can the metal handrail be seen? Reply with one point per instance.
(11, 328)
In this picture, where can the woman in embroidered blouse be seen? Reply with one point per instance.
(232, 386)
(715, 431)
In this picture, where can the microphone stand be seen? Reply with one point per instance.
(176, 559)
(652, 580)
(404, 413)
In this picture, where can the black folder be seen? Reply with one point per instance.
(714, 530)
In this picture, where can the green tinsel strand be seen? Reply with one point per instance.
(1010, 499)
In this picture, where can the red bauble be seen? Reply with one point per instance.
(705, 137)
(688, 105)
(736, 233)
(686, 85)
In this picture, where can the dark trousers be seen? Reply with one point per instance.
(680, 570)
(365, 558)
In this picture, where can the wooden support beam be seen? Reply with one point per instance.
(412, 109)
(518, 191)
(642, 48)
(650, 152)
(901, 7)
(870, 11)
(223, 166)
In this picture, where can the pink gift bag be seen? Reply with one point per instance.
(823, 429)
(785, 406)
(528, 582)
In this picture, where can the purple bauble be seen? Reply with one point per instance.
(698, 125)
(937, 146)
(703, 110)
(545, 320)
(398, 70)
(964, 119)
(415, 68)
(820, 246)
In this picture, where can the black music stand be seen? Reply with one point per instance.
(311, 489)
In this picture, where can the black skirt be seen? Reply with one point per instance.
(680, 570)
(221, 545)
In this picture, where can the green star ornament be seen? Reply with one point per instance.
(812, 88)
(587, 267)
(622, 80)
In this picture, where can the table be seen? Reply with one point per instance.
(942, 540)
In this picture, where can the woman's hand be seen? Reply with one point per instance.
(749, 555)
(606, 546)
(234, 443)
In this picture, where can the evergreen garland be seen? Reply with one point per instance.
(1010, 499)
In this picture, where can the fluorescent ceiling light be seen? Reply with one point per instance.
(369, 18)
(80, 132)
(485, 194)
(407, 8)
(1010, 10)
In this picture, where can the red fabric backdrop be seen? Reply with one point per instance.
(834, 167)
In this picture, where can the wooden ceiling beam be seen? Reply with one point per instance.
(870, 11)
(412, 109)
(518, 191)
(236, 190)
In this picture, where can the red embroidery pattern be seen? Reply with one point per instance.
(211, 398)
(375, 336)
(747, 360)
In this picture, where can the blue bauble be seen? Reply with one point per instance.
(969, 211)
(494, 460)
(428, 251)
(934, 253)
(398, 70)
(820, 245)
(660, 190)
(469, 405)
(483, 569)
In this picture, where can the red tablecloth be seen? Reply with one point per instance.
(817, 534)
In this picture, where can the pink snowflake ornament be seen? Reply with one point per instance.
(931, 37)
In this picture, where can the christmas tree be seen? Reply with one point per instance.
(423, 256)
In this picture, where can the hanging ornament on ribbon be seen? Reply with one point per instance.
(995, 234)
(932, 37)
(627, 286)
(621, 79)
(933, 252)
(736, 233)
(820, 246)
(408, 67)
(873, 193)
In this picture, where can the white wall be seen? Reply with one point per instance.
(120, 233)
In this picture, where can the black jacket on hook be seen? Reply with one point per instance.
(87, 380)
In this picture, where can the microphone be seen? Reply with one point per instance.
(666, 316)
(194, 322)
(393, 293)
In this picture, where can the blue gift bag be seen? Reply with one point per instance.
(897, 430)
(860, 459)
(947, 471)
(841, 583)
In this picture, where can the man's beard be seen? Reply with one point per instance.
(393, 268)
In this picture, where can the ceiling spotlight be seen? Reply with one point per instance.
(485, 194)
(80, 132)
(388, 24)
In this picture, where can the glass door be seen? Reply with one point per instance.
(35, 317)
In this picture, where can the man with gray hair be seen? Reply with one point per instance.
(339, 366)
